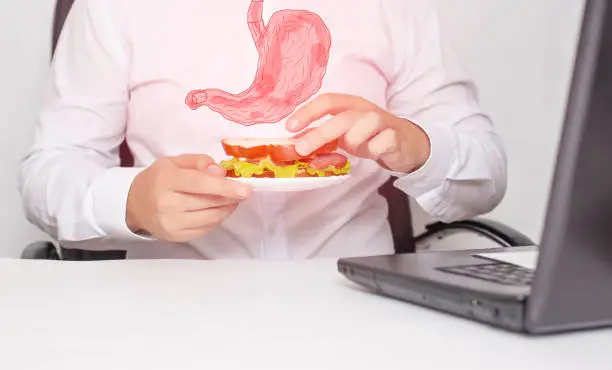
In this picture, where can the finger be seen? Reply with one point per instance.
(206, 218)
(216, 170)
(195, 182)
(362, 131)
(195, 202)
(385, 143)
(329, 131)
(303, 132)
(190, 235)
(323, 105)
(193, 161)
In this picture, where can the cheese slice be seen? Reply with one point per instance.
(246, 169)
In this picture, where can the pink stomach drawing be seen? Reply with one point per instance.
(293, 55)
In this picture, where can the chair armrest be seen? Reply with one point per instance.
(500, 233)
(42, 250)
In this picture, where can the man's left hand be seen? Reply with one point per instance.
(362, 129)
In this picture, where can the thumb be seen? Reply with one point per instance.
(199, 162)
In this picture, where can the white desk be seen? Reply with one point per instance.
(246, 315)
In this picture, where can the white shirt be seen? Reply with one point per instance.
(123, 69)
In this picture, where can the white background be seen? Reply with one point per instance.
(520, 53)
(25, 36)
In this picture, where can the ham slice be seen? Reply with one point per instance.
(323, 161)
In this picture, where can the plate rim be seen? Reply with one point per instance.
(263, 181)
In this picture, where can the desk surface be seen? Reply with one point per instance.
(246, 315)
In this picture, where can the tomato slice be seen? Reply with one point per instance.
(279, 150)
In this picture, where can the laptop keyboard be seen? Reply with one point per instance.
(501, 273)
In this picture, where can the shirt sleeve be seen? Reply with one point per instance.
(71, 182)
(465, 175)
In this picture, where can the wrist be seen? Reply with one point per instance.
(415, 147)
(132, 223)
(421, 147)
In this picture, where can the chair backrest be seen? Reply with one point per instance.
(399, 216)
(62, 8)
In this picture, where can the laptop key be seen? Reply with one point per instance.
(501, 273)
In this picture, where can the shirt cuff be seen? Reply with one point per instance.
(422, 183)
(106, 208)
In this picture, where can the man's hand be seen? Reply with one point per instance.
(362, 129)
(181, 198)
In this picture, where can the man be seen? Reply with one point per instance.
(389, 89)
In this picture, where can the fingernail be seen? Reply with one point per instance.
(201, 165)
(302, 147)
(216, 170)
(292, 124)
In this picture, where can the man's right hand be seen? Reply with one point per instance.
(181, 198)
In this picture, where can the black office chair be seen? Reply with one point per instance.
(400, 218)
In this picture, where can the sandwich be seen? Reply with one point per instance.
(277, 158)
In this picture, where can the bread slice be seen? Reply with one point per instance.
(276, 149)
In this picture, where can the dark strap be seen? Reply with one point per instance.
(62, 8)
(399, 217)
(84, 255)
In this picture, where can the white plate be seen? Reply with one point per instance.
(292, 184)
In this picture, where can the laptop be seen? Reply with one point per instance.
(564, 284)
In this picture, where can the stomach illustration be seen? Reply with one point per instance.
(293, 51)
